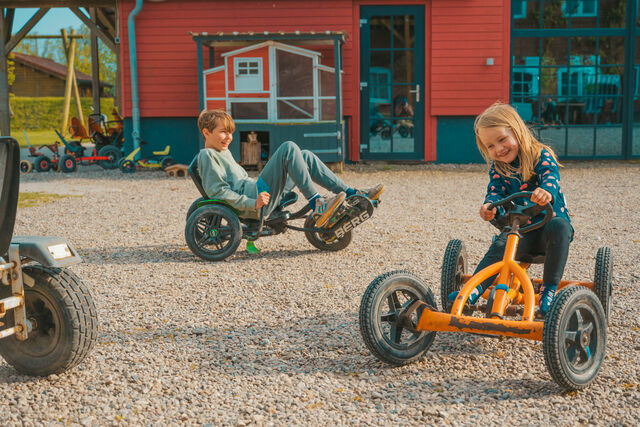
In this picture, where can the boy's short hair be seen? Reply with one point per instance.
(209, 119)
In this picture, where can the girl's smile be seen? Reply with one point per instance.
(500, 142)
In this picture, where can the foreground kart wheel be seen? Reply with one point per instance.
(127, 166)
(113, 153)
(213, 232)
(194, 206)
(26, 166)
(328, 242)
(166, 162)
(574, 337)
(42, 164)
(602, 285)
(454, 265)
(64, 319)
(68, 164)
(386, 324)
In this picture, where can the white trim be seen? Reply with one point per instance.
(254, 91)
(213, 70)
(226, 83)
(272, 43)
(247, 48)
(273, 84)
(316, 83)
(295, 107)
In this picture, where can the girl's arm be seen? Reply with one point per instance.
(496, 189)
(548, 174)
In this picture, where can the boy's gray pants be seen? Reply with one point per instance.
(288, 167)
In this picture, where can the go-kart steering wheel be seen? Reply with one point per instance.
(519, 213)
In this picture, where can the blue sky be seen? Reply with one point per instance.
(50, 24)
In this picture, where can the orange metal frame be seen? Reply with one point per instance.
(517, 289)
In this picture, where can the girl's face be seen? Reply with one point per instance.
(500, 142)
(219, 138)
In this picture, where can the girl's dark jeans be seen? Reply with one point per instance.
(552, 240)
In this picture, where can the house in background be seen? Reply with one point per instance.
(39, 77)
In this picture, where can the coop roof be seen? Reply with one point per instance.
(51, 67)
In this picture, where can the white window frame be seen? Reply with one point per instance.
(240, 82)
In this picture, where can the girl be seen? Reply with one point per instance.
(519, 162)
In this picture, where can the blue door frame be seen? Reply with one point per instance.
(392, 82)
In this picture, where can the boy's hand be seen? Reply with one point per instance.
(262, 200)
(486, 213)
(541, 196)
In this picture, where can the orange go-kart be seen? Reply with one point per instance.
(399, 318)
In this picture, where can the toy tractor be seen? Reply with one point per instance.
(48, 321)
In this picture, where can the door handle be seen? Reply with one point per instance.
(417, 92)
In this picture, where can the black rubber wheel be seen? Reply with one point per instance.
(26, 166)
(193, 207)
(114, 155)
(316, 239)
(213, 232)
(454, 265)
(602, 279)
(166, 162)
(127, 166)
(385, 132)
(574, 337)
(68, 163)
(385, 299)
(64, 319)
(42, 163)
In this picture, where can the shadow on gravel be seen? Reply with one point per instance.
(175, 253)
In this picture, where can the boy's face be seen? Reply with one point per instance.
(219, 138)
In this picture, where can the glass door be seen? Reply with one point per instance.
(392, 88)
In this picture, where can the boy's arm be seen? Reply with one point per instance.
(214, 184)
(548, 174)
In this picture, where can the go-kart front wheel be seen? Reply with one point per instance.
(64, 320)
(454, 265)
(388, 325)
(127, 166)
(26, 166)
(326, 242)
(213, 232)
(574, 337)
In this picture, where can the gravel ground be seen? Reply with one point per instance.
(274, 338)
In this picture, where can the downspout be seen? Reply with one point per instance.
(133, 64)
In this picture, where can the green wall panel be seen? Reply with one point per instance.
(456, 141)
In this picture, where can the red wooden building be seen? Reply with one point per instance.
(413, 73)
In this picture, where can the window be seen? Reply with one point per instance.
(248, 74)
(580, 8)
(519, 9)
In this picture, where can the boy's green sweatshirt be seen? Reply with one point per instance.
(223, 178)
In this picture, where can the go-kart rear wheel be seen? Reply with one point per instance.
(166, 162)
(574, 337)
(113, 153)
(384, 325)
(602, 285)
(64, 320)
(194, 206)
(67, 163)
(42, 164)
(26, 166)
(127, 166)
(213, 232)
(454, 265)
(328, 242)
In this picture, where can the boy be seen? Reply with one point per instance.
(223, 178)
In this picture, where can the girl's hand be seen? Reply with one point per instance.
(262, 200)
(486, 213)
(541, 196)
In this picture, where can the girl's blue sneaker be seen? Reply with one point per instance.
(473, 297)
(546, 297)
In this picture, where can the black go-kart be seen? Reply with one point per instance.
(214, 229)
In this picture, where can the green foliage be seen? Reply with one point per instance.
(46, 113)
(11, 70)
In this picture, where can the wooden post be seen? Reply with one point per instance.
(5, 112)
(69, 81)
(95, 64)
(74, 80)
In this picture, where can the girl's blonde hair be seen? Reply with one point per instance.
(529, 148)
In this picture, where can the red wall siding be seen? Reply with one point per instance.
(214, 83)
(463, 35)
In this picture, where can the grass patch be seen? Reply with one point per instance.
(37, 198)
(36, 138)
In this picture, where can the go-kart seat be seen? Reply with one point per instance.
(531, 258)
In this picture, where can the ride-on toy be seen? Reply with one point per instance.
(214, 230)
(159, 160)
(48, 321)
(106, 156)
(41, 162)
(399, 318)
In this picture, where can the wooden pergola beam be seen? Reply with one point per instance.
(92, 25)
(104, 21)
(13, 42)
(9, 23)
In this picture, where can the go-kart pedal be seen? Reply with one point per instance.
(354, 211)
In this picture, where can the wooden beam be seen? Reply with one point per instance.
(8, 23)
(5, 112)
(106, 39)
(24, 30)
(104, 21)
(95, 65)
(59, 3)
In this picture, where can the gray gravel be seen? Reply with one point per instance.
(274, 339)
